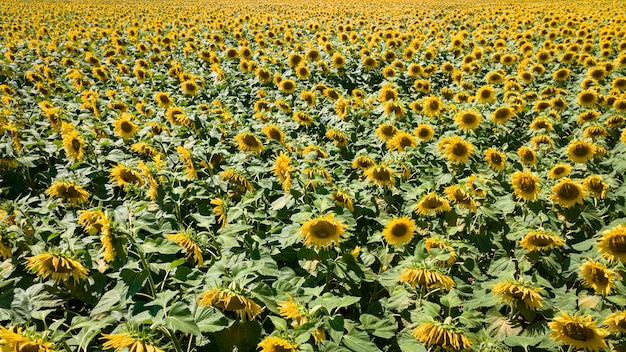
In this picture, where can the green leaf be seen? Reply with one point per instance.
(359, 341)
(520, 341)
(134, 280)
(210, 319)
(279, 323)
(285, 201)
(179, 318)
(332, 302)
(109, 300)
(385, 328)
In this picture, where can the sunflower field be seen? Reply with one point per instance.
(275, 176)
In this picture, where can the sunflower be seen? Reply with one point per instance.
(362, 162)
(70, 192)
(19, 341)
(401, 141)
(247, 142)
(486, 94)
(287, 86)
(276, 344)
(73, 145)
(386, 131)
(561, 75)
(596, 186)
(303, 118)
(595, 132)
(303, 72)
(518, 292)
(441, 335)
(457, 195)
(308, 97)
(124, 126)
(237, 180)
(396, 108)
(525, 185)
(612, 244)
(426, 276)
(468, 120)
(94, 221)
(263, 75)
(370, 63)
(567, 193)
(282, 170)
(343, 199)
(322, 231)
(456, 149)
(190, 87)
(399, 230)
(541, 240)
(595, 275)
(559, 171)
(184, 155)
(230, 301)
(340, 138)
(502, 114)
(527, 156)
(313, 152)
(432, 105)
(432, 204)
(380, 175)
(192, 250)
(540, 123)
(128, 341)
(495, 159)
(125, 176)
(59, 267)
(587, 98)
(441, 244)
(338, 60)
(577, 331)
(292, 310)
(580, 151)
(424, 132)
(587, 116)
(616, 322)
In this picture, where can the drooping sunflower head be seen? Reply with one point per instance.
(125, 176)
(598, 277)
(380, 175)
(468, 119)
(399, 230)
(518, 292)
(362, 162)
(230, 301)
(424, 132)
(323, 231)
(132, 341)
(567, 193)
(292, 310)
(441, 336)
(616, 322)
(303, 118)
(580, 151)
(495, 159)
(342, 198)
(587, 116)
(525, 185)
(459, 196)
(276, 344)
(13, 339)
(595, 185)
(541, 240)
(437, 245)
(527, 156)
(69, 192)
(248, 142)
(432, 204)
(612, 244)
(578, 331)
(426, 276)
(386, 131)
(59, 267)
(187, 242)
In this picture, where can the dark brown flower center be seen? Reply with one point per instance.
(617, 244)
(250, 141)
(128, 176)
(381, 174)
(76, 144)
(126, 126)
(459, 149)
(423, 132)
(568, 191)
(468, 118)
(599, 276)
(434, 105)
(399, 230)
(527, 184)
(485, 94)
(496, 159)
(577, 331)
(588, 98)
(322, 229)
(432, 203)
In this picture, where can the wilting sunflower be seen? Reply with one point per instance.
(386, 131)
(282, 170)
(218, 209)
(578, 331)
(126, 340)
(380, 175)
(432, 106)
(518, 292)
(362, 162)
(184, 156)
(456, 195)
(399, 230)
(596, 186)
(192, 250)
(303, 118)
(273, 132)
(73, 145)
(340, 138)
(612, 244)
(18, 341)
(59, 267)
(541, 240)
(401, 141)
(239, 181)
(432, 243)
(248, 142)
(343, 199)
(426, 276)
(292, 310)
(456, 149)
(125, 127)
(468, 119)
(228, 300)
(322, 231)
(527, 156)
(616, 322)
(125, 176)
(559, 171)
(587, 116)
(486, 94)
(495, 159)
(580, 151)
(441, 335)
(276, 344)
(69, 192)
(432, 204)
(424, 132)
(597, 276)
(94, 221)
(567, 193)
(525, 185)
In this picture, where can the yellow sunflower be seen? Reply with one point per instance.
(468, 119)
(456, 195)
(303, 118)
(486, 94)
(399, 230)
(273, 132)
(502, 114)
(192, 250)
(125, 340)
(343, 199)
(578, 331)
(616, 322)
(125, 127)
(163, 99)
(426, 276)
(380, 175)
(184, 156)
(587, 98)
(239, 181)
(228, 300)
(432, 106)
(518, 292)
(597, 276)
(525, 185)
(432, 204)
(276, 344)
(567, 193)
(596, 186)
(322, 231)
(73, 145)
(362, 162)
(441, 244)
(612, 244)
(340, 138)
(559, 171)
(59, 267)
(94, 221)
(580, 151)
(386, 131)
(456, 149)
(125, 176)
(69, 192)
(292, 310)
(282, 170)
(287, 86)
(18, 341)
(541, 240)
(190, 87)
(495, 159)
(401, 141)
(441, 335)
(247, 142)
(527, 156)
(424, 132)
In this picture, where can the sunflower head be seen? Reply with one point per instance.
(441, 335)
(399, 230)
(578, 331)
(432, 204)
(567, 193)
(292, 310)
(125, 127)
(386, 131)
(486, 94)
(12, 339)
(525, 185)
(230, 301)
(527, 156)
(540, 240)
(323, 231)
(132, 341)
(362, 162)
(125, 176)
(495, 159)
(73, 145)
(459, 196)
(70, 192)
(380, 175)
(59, 267)
(434, 244)
(187, 242)
(456, 149)
(598, 277)
(595, 185)
(559, 171)
(276, 344)
(424, 132)
(468, 119)
(616, 322)
(401, 141)
(248, 142)
(580, 151)
(433, 106)
(426, 276)
(518, 292)
(612, 244)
